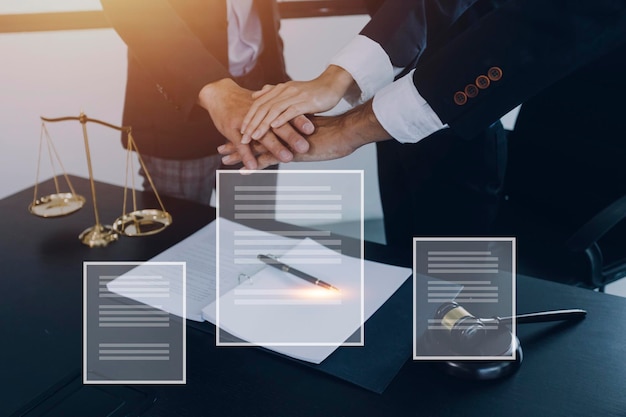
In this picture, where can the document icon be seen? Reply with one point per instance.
(296, 285)
(128, 336)
(458, 282)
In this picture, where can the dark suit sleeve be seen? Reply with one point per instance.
(404, 28)
(514, 52)
(167, 48)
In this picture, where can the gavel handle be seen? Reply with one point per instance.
(543, 316)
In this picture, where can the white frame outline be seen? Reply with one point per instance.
(513, 297)
(361, 172)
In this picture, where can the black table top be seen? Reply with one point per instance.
(568, 369)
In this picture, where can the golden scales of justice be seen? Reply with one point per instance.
(136, 223)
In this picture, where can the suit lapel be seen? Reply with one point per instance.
(207, 20)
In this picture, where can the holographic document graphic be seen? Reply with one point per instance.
(460, 286)
(296, 285)
(128, 336)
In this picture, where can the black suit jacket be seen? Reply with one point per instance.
(510, 53)
(175, 48)
(443, 185)
(405, 28)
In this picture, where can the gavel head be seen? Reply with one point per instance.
(463, 328)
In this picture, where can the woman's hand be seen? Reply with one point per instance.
(274, 106)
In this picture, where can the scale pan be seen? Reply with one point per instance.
(57, 205)
(142, 222)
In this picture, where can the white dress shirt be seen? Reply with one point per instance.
(398, 106)
(245, 38)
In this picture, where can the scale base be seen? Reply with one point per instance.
(98, 236)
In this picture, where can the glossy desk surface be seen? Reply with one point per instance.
(568, 369)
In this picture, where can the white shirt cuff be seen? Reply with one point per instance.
(403, 113)
(369, 66)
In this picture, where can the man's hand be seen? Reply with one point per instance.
(227, 104)
(276, 105)
(334, 137)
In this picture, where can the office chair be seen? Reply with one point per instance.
(565, 187)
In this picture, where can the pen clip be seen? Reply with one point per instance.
(244, 278)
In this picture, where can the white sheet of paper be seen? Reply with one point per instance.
(315, 321)
(277, 308)
(199, 253)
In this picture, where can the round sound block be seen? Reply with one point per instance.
(493, 345)
(488, 369)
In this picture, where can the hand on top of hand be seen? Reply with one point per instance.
(227, 104)
(275, 106)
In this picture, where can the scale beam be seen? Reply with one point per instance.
(139, 222)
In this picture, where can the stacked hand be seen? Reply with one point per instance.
(275, 106)
(334, 137)
(227, 103)
(274, 116)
